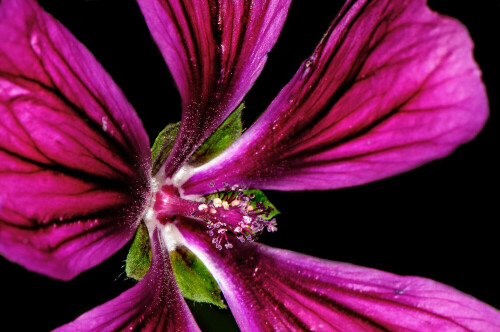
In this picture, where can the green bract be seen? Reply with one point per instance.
(228, 132)
(193, 278)
(139, 255)
(162, 146)
(260, 197)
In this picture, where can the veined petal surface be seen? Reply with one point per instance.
(74, 157)
(215, 51)
(270, 289)
(391, 86)
(154, 304)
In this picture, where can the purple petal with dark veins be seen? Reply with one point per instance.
(154, 304)
(270, 289)
(74, 157)
(391, 86)
(215, 51)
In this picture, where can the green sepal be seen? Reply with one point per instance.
(193, 278)
(261, 197)
(228, 132)
(162, 146)
(139, 256)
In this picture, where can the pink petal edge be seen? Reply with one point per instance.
(74, 157)
(391, 86)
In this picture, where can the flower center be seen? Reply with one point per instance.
(227, 215)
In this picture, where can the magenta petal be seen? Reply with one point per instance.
(391, 86)
(215, 51)
(154, 304)
(269, 289)
(74, 157)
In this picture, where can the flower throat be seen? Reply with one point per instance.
(231, 214)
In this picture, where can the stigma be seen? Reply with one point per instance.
(230, 216)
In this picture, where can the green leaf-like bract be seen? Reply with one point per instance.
(194, 280)
(260, 197)
(228, 132)
(162, 146)
(139, 255)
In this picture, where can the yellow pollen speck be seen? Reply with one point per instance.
(249, 208)
(225, 205)
(202, 207)
(213, 211)
(235, 202)
(217, 202)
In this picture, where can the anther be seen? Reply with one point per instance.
(217, 202)
(242, 216)
(271, 225)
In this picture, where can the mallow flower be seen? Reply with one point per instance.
(391, 86)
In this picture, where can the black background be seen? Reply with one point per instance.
(437, 221)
